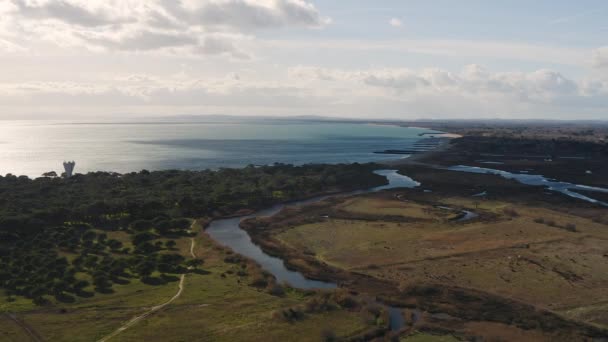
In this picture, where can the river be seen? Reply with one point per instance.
(229, 233)
(565, 188)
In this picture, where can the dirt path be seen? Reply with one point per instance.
(192, 244)
(135, 320)
(29, 330)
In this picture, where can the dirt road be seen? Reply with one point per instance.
(154, 309)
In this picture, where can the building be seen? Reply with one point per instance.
(69, 168)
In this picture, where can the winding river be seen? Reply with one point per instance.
(229, 233)
(565, 188)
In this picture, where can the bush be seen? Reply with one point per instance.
(511, 212)
(233, 259)
(288, 315)
(141, 225)
(276, 290)
(345, 300)
(320, 303)
(328, 335)
(571, 227)
(41, 301)
(259, 281)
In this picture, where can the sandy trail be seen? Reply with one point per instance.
(29, 330)
(152, 310)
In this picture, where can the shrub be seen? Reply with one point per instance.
(276, 290)
(511, 212)
(320, 303)
(345, 300)
(258, 281)
(232, 259)
(141, 225)
(288, 315)
(328, 335)
(40, 301)
(571, 227)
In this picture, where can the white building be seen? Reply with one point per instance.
(69, 168)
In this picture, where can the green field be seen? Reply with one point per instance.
(218, 306)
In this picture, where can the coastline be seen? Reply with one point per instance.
(444, 146)
(205, 147)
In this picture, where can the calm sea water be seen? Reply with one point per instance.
(31, 148)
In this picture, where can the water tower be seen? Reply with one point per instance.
(69, 168)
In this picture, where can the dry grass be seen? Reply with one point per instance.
(513, 255)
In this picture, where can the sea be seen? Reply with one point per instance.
(33, 147)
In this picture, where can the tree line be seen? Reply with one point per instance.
(54, 232)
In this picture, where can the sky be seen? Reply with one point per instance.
(379, 59)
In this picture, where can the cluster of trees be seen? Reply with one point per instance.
(53, 231)
(34, 268)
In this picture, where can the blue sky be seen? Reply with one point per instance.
(356, 58)
(580, 23)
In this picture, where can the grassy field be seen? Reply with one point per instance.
(218, 304)
(221, 306)
(550, 258)
(11, 331)
(424, 337)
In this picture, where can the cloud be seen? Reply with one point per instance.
(214, 45)
(246, 15)
(146, 40)
(541, 85)
(192, 26)
(600, 57)
(402, 80)
(454, 48)
(474, 91)
(8, 46)
(394, 22)
(473, 82)
(62, 10)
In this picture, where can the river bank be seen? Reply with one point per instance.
(262, 233)
(465, 304)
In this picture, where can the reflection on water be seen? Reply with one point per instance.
(31, 148)
(228, 233)
(395, 180)
(528, 179)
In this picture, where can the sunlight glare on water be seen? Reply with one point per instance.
(33, 147)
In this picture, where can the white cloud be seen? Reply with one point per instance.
(194, 26)
(119, 56)
(600, 57)
(473, 84)
(474, 91)
(394, 22)
(90, 14)
(476, 49)
(540, 85)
